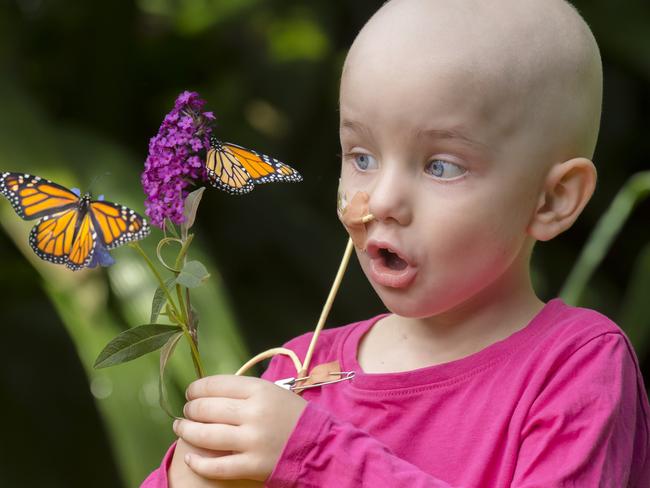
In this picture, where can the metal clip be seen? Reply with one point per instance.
(287, 383)
(344, 375)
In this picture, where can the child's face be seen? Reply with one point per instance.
(448, 169)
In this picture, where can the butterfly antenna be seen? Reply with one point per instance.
(95, 180)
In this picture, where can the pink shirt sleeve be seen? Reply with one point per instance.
(158, 477)
(580, 432)
(323, 451)
(581, 429)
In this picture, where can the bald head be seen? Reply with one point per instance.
(531, 67)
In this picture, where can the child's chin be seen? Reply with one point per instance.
(408, 305)
(400, 305)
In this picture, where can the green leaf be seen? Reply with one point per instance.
(170, 227)
(166, 353)
(634, 311)
(635, 190)
(192, 274)
(133, 343)
(189, 211)
(159, 299)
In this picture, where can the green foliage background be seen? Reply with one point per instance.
(84, 85)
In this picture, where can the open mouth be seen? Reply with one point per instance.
(392, 260)
(387, 267)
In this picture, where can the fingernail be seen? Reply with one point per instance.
(188, 458)
(175, 425)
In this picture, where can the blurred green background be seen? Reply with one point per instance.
(84, 85)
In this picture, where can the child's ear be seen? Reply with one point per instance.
(568, 188)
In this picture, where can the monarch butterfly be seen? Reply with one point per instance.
(74, 230)
(237, 170)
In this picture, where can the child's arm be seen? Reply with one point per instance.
(589, 424)
(324, 451)
(581, 431)
(587, 428)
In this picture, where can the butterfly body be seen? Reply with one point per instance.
(236, 169)
(73, 230)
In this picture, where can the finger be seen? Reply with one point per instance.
(223, 385)
(218, 437)
(230, 467)
(183, 447)
(216, 410)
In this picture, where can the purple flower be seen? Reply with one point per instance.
(173, 163)
(101, 257)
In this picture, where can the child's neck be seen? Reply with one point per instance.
(398, 343)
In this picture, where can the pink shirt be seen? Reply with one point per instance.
(558, 403)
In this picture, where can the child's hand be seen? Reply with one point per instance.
(249, 416)
(180, 475)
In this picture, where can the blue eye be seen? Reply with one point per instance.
(438, 167)
(362, 160)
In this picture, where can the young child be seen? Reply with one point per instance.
(471, 126)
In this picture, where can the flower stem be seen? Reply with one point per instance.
(191, 333)
(196, 358)
(161, 282)
(190, 317)
(183, 317)
(180, 259)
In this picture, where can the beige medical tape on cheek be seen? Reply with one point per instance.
(354, 215)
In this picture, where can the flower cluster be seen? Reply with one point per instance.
(173, 163)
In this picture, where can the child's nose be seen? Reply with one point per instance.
(391, 196)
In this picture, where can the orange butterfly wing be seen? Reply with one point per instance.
(117, 224)
(56, 239)
(70, 228)
(33, 197)
(226, 172)
(83, 247)
(236, 169)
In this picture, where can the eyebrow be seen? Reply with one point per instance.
(453, 134)
(355, 126)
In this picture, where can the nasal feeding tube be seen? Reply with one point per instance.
(354, 216)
